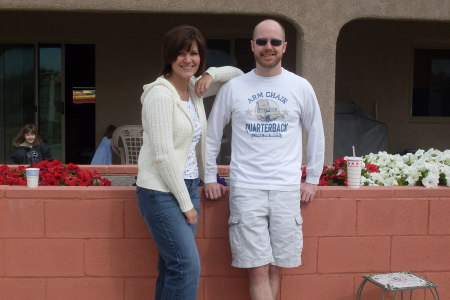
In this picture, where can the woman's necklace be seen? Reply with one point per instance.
(182, 92)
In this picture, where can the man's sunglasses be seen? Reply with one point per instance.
(273, 42)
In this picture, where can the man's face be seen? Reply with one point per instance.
(266, 45)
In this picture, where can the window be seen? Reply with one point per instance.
(230, 52)
(431, 83)
(17, 84)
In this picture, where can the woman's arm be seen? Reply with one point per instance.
(157, 120)
(209, 85)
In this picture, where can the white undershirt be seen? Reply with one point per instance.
(191, 168)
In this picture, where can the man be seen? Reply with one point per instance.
(268, 107)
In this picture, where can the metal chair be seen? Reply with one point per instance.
(128, 140)
(398, 282)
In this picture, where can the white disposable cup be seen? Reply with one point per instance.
(32, 177)
(354, 165)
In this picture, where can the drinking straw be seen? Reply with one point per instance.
(353, 147)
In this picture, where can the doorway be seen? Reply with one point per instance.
(37, 84)
(80, 102)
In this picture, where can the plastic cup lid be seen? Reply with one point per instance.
(353, 158)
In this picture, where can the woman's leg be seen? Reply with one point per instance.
(179, 264)
(161, 278)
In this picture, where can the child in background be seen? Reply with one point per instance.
(103, 155)
(29, 147)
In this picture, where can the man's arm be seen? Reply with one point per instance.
(315, 149)
(220, 116)
(307, 191)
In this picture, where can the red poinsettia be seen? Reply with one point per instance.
(53, 173)
(336, 174)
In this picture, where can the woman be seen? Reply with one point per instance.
(171, 159)
(30, 148)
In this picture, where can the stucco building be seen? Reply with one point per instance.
(392, 58)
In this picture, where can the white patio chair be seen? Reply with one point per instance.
(128, 140)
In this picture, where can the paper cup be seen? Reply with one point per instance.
(354, 165)
(32, 177)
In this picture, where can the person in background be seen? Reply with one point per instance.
(30, 148)
(268, 107)
(171, 160)
(103, 154)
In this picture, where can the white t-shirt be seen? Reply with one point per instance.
(191, 167)
(267, 116)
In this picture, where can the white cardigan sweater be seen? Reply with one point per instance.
(168, 131)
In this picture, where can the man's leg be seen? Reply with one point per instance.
(259, 283)
(250, 240)
(274, 278)
(285, 234)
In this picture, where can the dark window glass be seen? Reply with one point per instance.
(431, 83)
(50, 97)
(17, 105)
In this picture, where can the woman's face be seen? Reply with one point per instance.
(30, 137)
(187, 62)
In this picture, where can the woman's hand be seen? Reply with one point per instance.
(191, 216)
(202, 85)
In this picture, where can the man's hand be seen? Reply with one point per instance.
(214, 190)
(307, 191)
(191, 216)
(202, 85)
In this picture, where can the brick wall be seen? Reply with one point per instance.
(90, 243)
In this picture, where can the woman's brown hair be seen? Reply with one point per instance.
(178, 39)
(27, 128)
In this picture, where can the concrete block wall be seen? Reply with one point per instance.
(89, 243)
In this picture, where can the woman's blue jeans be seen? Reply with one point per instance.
(179, 262)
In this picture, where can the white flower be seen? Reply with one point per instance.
(446, 157)
(377, 178)
(390, 181)
(383, 159)
(398, 159)
(409, 158)
(419, 165)
(367, 181)
(394, 171)
(431, 180)
(433, 168)
(409, 168)
(412, 175)
(411, 180)
(444, 169)
(419, 152)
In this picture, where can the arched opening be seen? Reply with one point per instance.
(379, 67)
